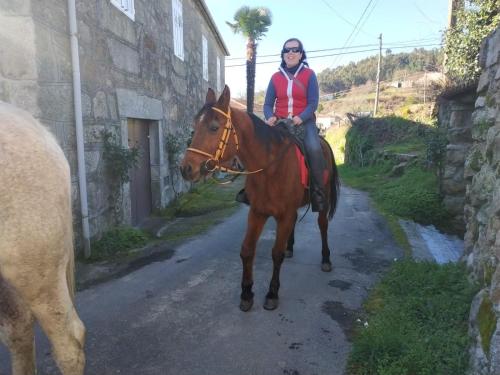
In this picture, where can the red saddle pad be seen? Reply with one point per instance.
(304, 173)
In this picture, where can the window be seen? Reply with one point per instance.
(204, 45)
(218, 75)
(178, 29)
(126, 6)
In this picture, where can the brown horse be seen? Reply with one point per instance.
(273, 186)
(36, 245)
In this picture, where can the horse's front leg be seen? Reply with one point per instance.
(283, 231)
(254, 228)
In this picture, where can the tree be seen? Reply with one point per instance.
(473, 24)
(253, 24)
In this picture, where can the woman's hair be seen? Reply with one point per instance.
(303, 59)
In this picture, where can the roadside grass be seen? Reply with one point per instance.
(417, 316)
(203, 198)
(117, 242)
(417, 321)
(192, 213)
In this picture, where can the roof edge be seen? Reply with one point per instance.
(211, 23)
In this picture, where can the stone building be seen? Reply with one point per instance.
(471, 183)
(455, 112)
(144, 69)
(482, 211)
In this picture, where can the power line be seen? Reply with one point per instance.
(355, 27)
(343, 48)
(366, 19)
(341, 53)
(342, 17)
(402, 42)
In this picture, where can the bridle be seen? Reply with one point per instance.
(221, 148)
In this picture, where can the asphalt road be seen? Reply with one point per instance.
(180, 316)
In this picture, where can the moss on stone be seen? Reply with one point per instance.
(487, 323)
(475, 161)
(488, 271)
(490, 100)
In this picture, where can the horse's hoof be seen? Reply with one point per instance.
(288, 254)
(246, 305)
(271, 303)
(326, 267)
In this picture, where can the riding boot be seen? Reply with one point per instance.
(242, 197)
(317, 190)
(316, 164)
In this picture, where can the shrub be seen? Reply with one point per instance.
(118, 240)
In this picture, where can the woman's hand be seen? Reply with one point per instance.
(296, 120)
(271, 121)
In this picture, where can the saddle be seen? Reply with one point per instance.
(298, 134)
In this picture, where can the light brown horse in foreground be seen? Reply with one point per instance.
(36, 246)
(273, 183)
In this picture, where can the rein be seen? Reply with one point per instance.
(221, 148)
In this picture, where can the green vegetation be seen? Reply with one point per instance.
(417, 316)
(487, 323)
(473, 24)
(204, 198)
(118, 242)
(417, 320)
(395, 66)
(191, 214)
(414, 195)
(119, 159)
(253, 24)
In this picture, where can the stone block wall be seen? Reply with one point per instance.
(482, 212)
(128, 71)
(455, 119)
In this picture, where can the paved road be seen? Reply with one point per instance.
(181, 316)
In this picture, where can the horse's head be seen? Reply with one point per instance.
(214, 140)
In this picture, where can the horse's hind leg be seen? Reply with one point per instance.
(291, 241)
(16, 330)
(254, 228)
(284, 228)
(326, 265)
(64, 329)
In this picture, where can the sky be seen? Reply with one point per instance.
(328, 27)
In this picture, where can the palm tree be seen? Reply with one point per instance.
(253, 23)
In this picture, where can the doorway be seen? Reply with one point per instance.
(140, 175)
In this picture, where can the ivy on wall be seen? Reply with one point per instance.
(119, 159)
(473, 23)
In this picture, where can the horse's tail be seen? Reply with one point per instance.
(334, 184)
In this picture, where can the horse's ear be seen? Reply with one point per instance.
(224, 98)
(211, 98)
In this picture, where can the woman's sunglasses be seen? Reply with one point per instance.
(293, 49)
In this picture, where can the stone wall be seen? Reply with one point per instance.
(455, 119)
(128, 71)
(482, 212)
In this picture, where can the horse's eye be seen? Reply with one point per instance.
(213, 126)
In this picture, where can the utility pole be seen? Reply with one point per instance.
(378, 77)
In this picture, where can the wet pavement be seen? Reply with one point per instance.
(179, 314)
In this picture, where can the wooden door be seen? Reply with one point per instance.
(140, 176)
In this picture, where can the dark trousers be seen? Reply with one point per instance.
(314, 154)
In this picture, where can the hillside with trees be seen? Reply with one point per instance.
(394, 66)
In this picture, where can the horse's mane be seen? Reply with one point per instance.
(269, 135)
(266, 134)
